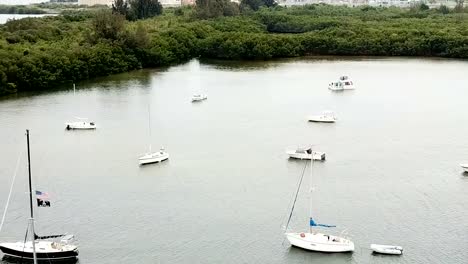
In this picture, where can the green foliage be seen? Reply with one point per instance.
(141, 9)
(108, 25)
(20, 9)
(206, 9)
(43, 52)
(120, 7)
(256, 4)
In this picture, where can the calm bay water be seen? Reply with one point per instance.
(392, 173)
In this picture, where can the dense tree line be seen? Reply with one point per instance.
(43, 52)
(12, 9)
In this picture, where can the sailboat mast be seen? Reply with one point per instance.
(149, 125)
(31, 201)
(310, 190)
(73, 89)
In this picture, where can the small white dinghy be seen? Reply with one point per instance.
(199, 97)
(325, 117)
(305, 153)
(387, 249)
(465, 167)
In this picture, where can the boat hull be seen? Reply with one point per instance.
(148, 159)
(80, 126)
(306, 156)
(321, 120)
(13, 250)
(198, 99)
(320, 242)
(387, 249)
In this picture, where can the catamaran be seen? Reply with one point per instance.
(39, 247)
(312, 239)
(80, 123)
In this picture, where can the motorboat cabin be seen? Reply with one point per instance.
(344, 83)
(306, 154)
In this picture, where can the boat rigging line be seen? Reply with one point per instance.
(11, 190)
(295, 197)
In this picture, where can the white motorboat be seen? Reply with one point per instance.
(313, 240)
(325, 117)
(465, 167)
(387, 249)
(82, 123)
(199, 97)
(154, 157)
(39, 247)
(305, 153)
(344, 83)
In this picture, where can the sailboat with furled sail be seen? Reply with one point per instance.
(313, 240)
(81, 123)
(39, 247)
(150, 156)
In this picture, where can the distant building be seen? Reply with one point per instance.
(170, 3)
(164, 3)
(188, 2)
(95, 2)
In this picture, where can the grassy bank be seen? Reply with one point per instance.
(38, 53)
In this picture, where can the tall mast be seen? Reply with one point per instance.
(73, 89)
(31, 201)
(310, 189)
(149, 124)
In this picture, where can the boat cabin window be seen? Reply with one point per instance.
(309, 151)
(347, 83)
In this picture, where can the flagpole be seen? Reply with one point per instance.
(31, 201)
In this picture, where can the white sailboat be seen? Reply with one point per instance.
(150, 156)
(80, 123)
(305, 153)
(39, 247)
(197, 97)
(325, 117)
(314, 240)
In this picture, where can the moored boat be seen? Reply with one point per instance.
(305, 153)
(313, 240)
(81, 124)
(325, 117)
(343, 83)
(154, 157)
(199, 97)
(39, 247)
(387, 249)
